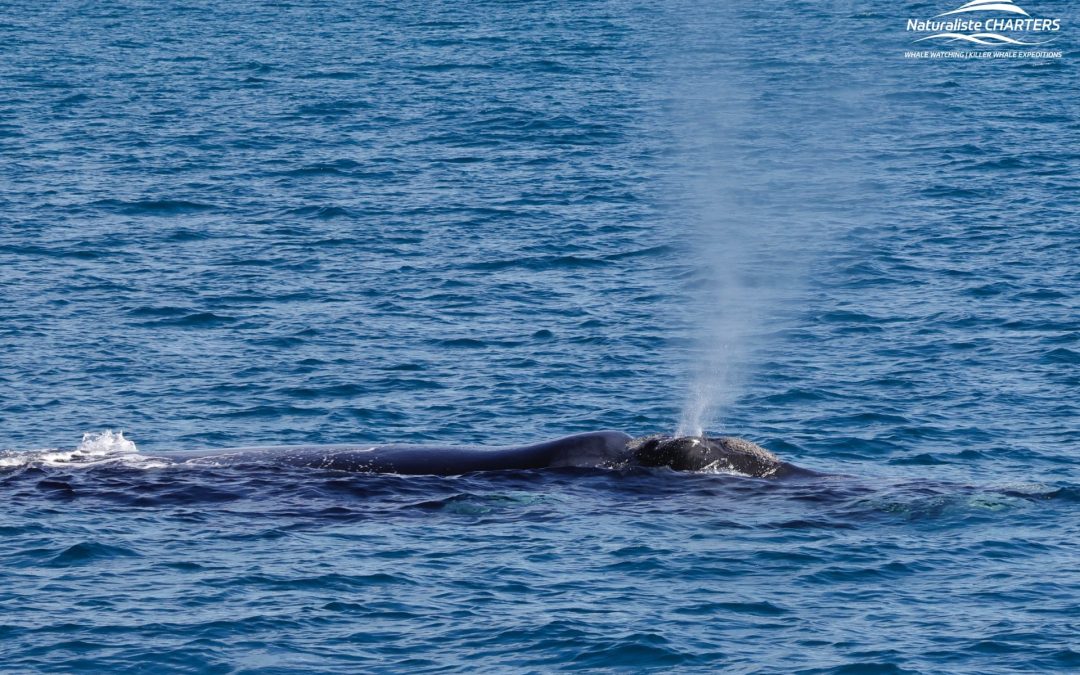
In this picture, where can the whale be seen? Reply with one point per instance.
(594, 449)
(722, 454)
(598, 449)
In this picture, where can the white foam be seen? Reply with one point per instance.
(96, 448)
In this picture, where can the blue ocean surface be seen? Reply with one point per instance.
(499, 222)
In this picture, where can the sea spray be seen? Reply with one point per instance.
(95, 449)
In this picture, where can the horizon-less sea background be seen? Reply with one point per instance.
(230, 224)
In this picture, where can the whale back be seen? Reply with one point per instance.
(593, 449)
(588, 450)
(599, 449)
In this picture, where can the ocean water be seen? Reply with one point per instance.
(233, 224)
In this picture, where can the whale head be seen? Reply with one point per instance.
(698, 453)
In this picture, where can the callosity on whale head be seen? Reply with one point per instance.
(697, 453)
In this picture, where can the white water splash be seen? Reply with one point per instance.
(95, 449)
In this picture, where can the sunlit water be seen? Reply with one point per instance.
(498, 223)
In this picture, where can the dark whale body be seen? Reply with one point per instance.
(600, 449)
(596, 449)
(718, 453)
